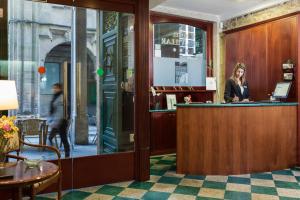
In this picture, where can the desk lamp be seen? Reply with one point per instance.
(8, 95)
(8, 101)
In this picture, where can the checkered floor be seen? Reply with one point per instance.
(166, 184)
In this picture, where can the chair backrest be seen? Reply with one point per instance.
(33, 127)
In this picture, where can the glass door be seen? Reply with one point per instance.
(117, 82)
(89, 54)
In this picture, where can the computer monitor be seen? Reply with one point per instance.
(282, 90)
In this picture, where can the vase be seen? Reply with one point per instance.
(2, 159)
(157, 106)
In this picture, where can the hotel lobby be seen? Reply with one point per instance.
(149, 99)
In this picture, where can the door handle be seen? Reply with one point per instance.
(122, 85)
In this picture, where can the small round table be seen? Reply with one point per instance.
(25, 176)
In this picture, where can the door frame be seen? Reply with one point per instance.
(140, 169)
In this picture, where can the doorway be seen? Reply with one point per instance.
(101, 51)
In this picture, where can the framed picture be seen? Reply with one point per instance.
(288, 76)
(171, 100)
(287, 66)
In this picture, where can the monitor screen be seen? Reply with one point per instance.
(282, 90)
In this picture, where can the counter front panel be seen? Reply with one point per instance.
(235, 139)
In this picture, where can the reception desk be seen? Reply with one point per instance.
(225, 139)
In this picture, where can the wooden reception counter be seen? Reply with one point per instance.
(236, 138)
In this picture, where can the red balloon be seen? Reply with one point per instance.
(42, 70)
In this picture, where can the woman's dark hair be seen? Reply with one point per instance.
(57, 85)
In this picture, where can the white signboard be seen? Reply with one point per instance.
(211, 83)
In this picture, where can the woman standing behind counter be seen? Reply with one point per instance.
(236, 88)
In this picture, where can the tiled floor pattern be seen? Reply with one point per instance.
(166, 184)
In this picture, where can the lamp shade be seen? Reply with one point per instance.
(8, 95)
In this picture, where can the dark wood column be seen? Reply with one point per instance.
(3, 43)
(3, 39)
(142, 121)
(297, 81)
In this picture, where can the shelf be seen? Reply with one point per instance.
(161, 110)
(184, 91)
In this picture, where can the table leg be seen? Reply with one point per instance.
(17, 193)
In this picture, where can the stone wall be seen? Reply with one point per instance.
(34, 30)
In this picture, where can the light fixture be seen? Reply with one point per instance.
(8, 95)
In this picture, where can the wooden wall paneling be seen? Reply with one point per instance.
(163, 133)
(223, 143)
(297, 81)
(282, 45)
(104, 169)
(142, 118)
(263, 49)
(244, 51)
(91, 170)
(257, 68)
(232, 53)
(261, 22)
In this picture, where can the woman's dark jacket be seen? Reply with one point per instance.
(232, 89)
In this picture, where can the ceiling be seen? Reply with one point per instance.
(224, 9)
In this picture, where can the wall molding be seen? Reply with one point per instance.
(186, 13)
(275, 11)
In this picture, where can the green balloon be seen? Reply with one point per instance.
(100, 72)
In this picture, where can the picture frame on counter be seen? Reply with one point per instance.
(171, 101)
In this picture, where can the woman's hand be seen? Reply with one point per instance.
(235, 99)
(245, 100)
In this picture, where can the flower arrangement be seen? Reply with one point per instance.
(8, 131)
(188, 99)
(156, 102)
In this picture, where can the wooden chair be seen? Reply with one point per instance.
(40, 186)
(34, 127)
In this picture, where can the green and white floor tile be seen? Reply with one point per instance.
(164, 183)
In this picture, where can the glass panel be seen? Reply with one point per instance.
(116, 86)
(51, 77)
(39, 47)
(91, 55)
(179, 55)
(104, 121)
(105, 82)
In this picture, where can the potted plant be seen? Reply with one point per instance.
(156, 100)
